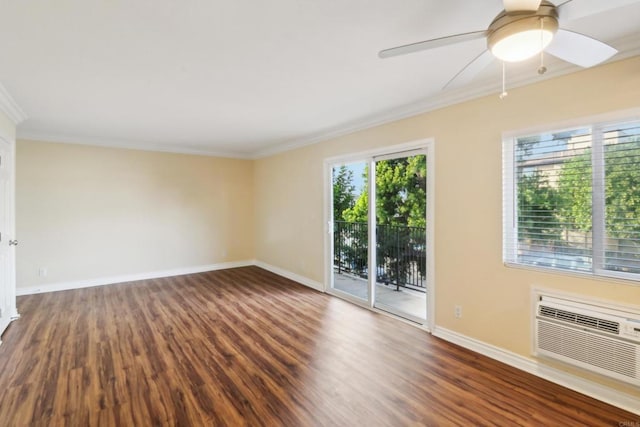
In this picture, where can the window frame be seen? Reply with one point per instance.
(510, 192)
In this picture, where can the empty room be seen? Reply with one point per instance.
(298, 213)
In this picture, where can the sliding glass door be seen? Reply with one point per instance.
(401, 246)
(350, 230)
(378, 229)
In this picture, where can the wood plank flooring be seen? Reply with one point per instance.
(246, 347)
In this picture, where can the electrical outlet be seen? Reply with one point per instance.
(42, 272)
(457, 311)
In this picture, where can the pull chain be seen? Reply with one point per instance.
(542, 68)
(504, 93)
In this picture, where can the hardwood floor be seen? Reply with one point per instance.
(246, 347)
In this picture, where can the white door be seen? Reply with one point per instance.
(8, 310)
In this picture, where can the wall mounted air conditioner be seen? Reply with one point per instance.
(601, 339)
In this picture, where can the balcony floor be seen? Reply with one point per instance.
(405, 300)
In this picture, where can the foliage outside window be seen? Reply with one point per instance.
(400, 221)
(572, 200)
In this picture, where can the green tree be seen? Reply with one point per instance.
(622, 204)
(350, 240)
(360, 210)
(537, 207)
(400, 193)
(574, 190)
(343, 192)
(622, 189)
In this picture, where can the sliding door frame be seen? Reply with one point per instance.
(373, 220)
(426, 146)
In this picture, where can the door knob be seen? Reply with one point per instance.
(13, 243)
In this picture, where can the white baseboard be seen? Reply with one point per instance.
(78, 284)
(4, 323)
(291, 276)
(63, 286)
(597, 391)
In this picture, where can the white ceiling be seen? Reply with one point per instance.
(246, 78)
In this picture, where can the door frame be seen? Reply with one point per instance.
(427, 145)
(10, 291)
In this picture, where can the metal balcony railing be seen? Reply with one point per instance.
(401, 253)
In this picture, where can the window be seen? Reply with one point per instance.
(572, 199)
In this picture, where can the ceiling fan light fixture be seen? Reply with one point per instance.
(516, 36)
(521, 45)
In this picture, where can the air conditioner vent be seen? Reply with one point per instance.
(580, 319)
(593, 336)
(607, 354)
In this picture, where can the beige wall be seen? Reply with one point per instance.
(89, 212)
(468, 200)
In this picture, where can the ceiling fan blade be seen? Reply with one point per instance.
(470, 70)
(579, 49)
(521, 5)
(575, 9)
(431, 44)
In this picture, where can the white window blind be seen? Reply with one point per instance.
(572, 199)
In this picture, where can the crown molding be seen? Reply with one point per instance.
(10, 107)
(628, 47)
(26, 134)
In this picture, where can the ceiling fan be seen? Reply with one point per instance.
(523, 29)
